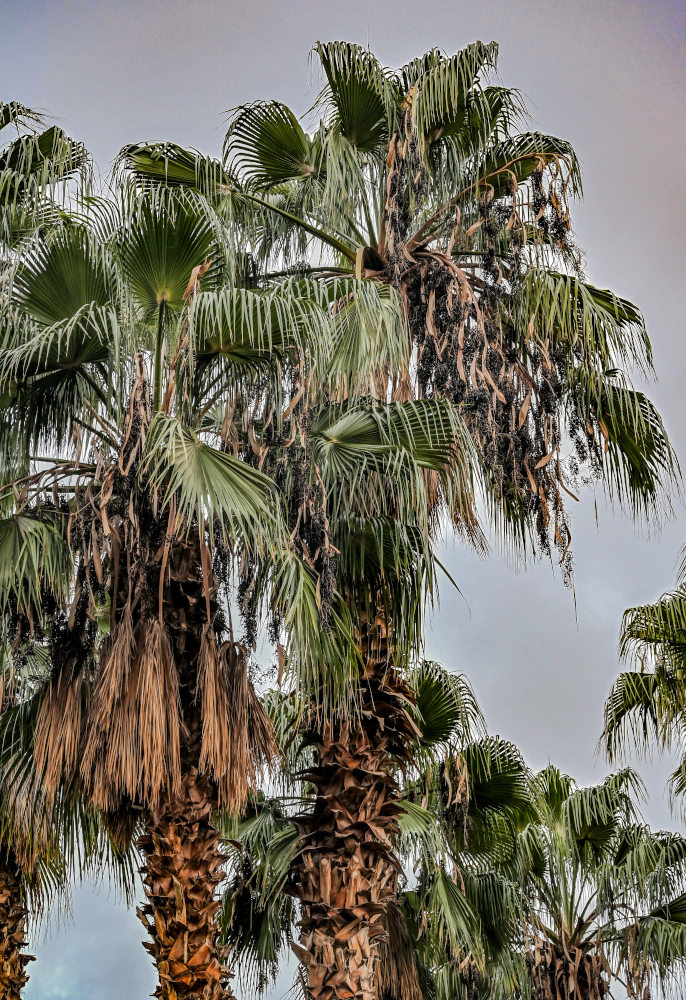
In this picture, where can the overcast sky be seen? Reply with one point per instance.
(609, 76)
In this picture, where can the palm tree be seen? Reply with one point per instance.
(565, 892)
(420, 184)
(647, 705)
(133, 370)
(601, 895)
(421, 179)
(34, 160)
(260, 917)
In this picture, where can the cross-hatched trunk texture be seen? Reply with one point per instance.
(181, 874)
(183, 860)
(347, 869)
(13, 918)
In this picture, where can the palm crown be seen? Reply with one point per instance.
(646, 706)
(423, 180)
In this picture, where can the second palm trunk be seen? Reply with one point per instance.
(347, 869)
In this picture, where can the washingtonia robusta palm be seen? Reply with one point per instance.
(35, 160)
(594, 899)
(169, 432)
(647, 705)
(424, 184)
(115, 505)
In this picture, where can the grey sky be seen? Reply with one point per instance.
(611, 77)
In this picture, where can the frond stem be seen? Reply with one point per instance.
(159, 340)
(325, 237)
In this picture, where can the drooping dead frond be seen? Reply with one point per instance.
(58, 733)
(236, 732)
(132, 746)
(396, 971)
(566, 972)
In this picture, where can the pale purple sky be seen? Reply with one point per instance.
(610, 76)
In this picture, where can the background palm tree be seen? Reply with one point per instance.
(600, 895)
(34, 161)
(647, 704)
(512, 884)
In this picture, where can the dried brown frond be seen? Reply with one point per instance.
(567, 972)
(396, 970)
(236, 732)
(58, 733)
(133, 742)
(121, 825)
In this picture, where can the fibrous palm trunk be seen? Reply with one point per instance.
(181, 874)
(181, 845)
(13, 919)
(347, 869)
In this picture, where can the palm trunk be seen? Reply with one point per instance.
(347, 869)
(181, 846)
(181, 874)
(13, 919)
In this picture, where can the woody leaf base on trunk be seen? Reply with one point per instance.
(347, 869)
(13, 919)
(182, 871)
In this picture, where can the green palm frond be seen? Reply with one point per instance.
(242, 324)
(359, 101)
(641, 708)
(569, 313)
(258, 916)
(19, 116)
(267, 145)
(500, 802)
(446, 708)
(150, 163)
(421, 833)
(647, 706)
(656, 631)
(663, 942)
(520, 155)
(89, 337)
(637, 461)
(395, 442)
(61, 275)
(456, 924)
(444, 90)
(370, 335)
(34, 162)
(210, 485)
(165, 235)
(592, 815)
(319, 660)
(34, 560)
